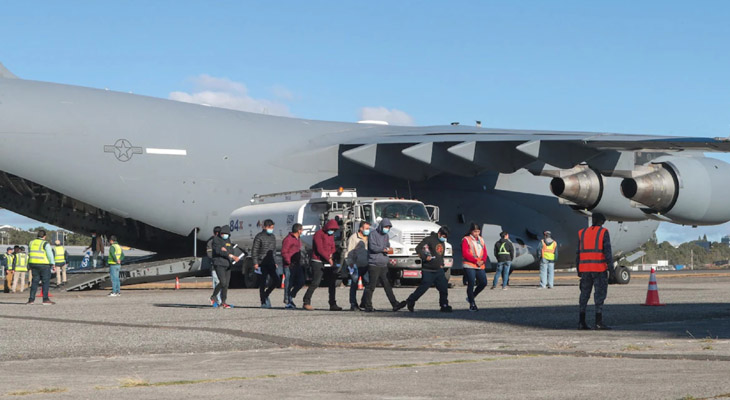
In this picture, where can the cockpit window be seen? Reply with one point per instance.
(396, 210)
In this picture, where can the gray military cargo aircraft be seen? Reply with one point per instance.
(152, 170)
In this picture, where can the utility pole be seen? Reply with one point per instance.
(692, 259)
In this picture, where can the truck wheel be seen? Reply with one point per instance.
(622, 275)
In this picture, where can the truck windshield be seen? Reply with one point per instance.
(401, 211)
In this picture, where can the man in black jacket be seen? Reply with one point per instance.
(222, 257)
(262, 252)
(431, 250)
(505, 252)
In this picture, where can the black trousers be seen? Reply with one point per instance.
(320, 273)
(267, 271)
(428, 278)
(589, 280)
(224, 277)
(378, 274)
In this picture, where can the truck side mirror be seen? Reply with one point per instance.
(433, 213)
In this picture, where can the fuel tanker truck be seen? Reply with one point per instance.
(412, 222)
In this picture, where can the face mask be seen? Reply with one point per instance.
(224, 236)
(442, 239)
(330, 232)
(386, 230)
(269, 231)
(366, 232)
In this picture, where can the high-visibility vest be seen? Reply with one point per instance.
(473, 249)
(117, 249)
(10, 258)
(21, 262)
(591, 258)
(37, 252)
(60, 256)
(548, 252)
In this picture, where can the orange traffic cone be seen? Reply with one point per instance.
(359, 284)
(40, 293)
(177, 283)
(283, 280)
(652, 294)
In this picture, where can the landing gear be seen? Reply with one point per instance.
(621, 276)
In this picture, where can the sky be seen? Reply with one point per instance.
(650, 67)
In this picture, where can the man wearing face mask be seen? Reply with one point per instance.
(378, 260)
(431, 250)
(323, 266)
(222, 257)
(262, 252)
(356, 256)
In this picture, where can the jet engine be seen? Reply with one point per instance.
(588, 190)
(685, 190)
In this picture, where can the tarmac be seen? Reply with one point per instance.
(522, 343)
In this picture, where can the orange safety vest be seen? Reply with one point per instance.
(591, 258)
(473, 249)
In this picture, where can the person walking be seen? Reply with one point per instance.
(356, 260)
(222, 257)
(323, 265)
(431, 251)
(548, 251)
(8, 260)
(60, 259)
(595, 261)
(40, 260)
(96, 246)
(505, 251)
(474, 255)
(20, 267)
(116, 255)
(291, 254)
(378, 261)
(209, 254)
(263, 252)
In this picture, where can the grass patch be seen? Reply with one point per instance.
(707, 347)
(39, 391)
(632, 347)
(315, 372)
(132, 382)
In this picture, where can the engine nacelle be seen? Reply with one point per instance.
(685, 190)
(590, 191)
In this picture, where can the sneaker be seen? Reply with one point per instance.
(308, 307)
(541, 287)
(504, 288)
(400, 306)
(493, 287)
(290, 306)
(112, 294)
(265, 305)
(446, 308)
(215, 304)
(473, 307)
(335, 307)
(355, 307)
(48, 302)
(550, 287)
(369, 309)
(268, 303)
(30, 303)
(224, 305)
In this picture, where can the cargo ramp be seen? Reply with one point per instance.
(143, 272)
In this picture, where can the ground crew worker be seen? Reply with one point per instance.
(291, 254)
(505, 251)
(548, 251)
(61, 260)
(378, 264)
(431, 251)
(222, 257)
(323, 264)
(8, 260)
(20, 265)
(209, 253)
(356, 258)
(262, 252)
(40, 260)
(116, 256)
(474, 255)
(594, 260)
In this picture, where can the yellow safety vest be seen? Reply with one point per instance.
(60, 256)
(37, 250)
(10, 259)
(21, 262)
(118, 252)
(548, 252)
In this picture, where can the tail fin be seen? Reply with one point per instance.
(4, 73)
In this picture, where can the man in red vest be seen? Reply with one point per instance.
(594, 261)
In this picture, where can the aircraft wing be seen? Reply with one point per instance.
(428, 151)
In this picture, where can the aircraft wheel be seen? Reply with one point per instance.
(622, 275)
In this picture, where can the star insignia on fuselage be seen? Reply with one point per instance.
(123, 150)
